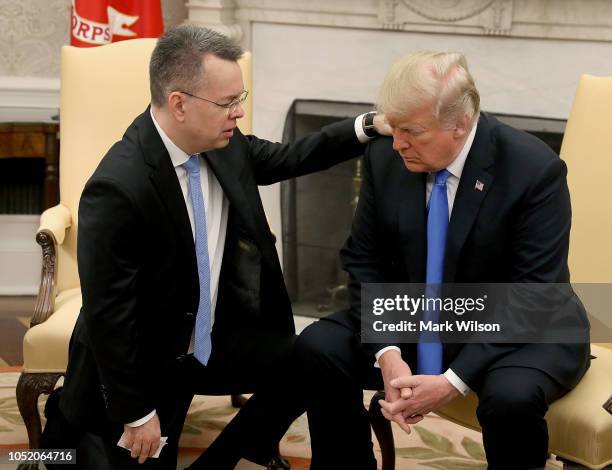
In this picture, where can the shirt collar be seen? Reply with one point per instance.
(177, 156)
(456, 167)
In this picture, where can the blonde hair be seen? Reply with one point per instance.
(439, 78)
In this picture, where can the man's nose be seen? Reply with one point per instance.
(238, 112)
(399, 143)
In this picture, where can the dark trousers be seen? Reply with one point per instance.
(512, 402)
(242, 361)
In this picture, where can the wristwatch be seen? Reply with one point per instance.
(368, 124)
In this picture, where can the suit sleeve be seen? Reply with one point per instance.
(360, 254)
(540, 243)
(274, 162)
(108, 260)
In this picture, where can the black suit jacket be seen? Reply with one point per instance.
(515, 230)
(138, 270)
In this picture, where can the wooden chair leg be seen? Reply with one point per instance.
(238, 401)
(382, 430)
(29, 388)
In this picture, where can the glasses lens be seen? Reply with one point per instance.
(237, 102)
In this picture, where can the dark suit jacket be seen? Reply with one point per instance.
(138, 271)
(516, 230)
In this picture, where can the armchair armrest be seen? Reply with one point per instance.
(55, 221)
(53, 225)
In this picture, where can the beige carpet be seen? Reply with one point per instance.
(434, 444)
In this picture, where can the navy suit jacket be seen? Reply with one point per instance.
(514, 230)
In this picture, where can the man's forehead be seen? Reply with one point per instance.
(419, 118)
(224, 76)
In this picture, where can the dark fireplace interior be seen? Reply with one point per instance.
(317, 209)
(21, 185)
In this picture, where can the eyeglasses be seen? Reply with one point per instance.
(231, 106)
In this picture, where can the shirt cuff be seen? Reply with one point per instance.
(382, 351)
(141, 421)
(361, 136)
(456, 382)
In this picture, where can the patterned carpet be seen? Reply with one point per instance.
(436, 444)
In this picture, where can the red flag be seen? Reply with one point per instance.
(97, 22)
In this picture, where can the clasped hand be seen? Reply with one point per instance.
(408, 398)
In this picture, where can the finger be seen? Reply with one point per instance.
(406, 393)
(129, 440)
(144, 452)
(393, 408)
(154, 447)
(405, 381)
(135, 449)
(399, 419)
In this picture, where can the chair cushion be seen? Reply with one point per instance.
(45, 346)
(580, 429)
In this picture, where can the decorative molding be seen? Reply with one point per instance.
(543, 19)
(489, 17)
(448, 10)
(215, 14)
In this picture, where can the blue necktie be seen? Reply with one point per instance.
(202, 345)
(429, 352)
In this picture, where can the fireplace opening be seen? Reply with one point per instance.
(21, 185)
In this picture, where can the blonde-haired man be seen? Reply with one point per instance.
(455, 197)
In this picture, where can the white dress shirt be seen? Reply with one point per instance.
(452, 183)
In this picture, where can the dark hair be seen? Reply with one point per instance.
(176, 62)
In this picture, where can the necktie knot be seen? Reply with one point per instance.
(192, 166)
(442, 176)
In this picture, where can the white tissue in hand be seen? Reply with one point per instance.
(162, 443)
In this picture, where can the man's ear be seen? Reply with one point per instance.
(461, 128)
(176, 105)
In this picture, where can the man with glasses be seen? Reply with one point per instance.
(175, 256)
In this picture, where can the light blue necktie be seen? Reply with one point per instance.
(202, 345)
(429, 352)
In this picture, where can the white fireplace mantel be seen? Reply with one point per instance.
(547, 19)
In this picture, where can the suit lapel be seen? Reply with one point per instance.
(473, 187)
(164, 179)
(412, 221)
(230, 171)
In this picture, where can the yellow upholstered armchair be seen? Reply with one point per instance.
(580, 423)
(102, 90)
